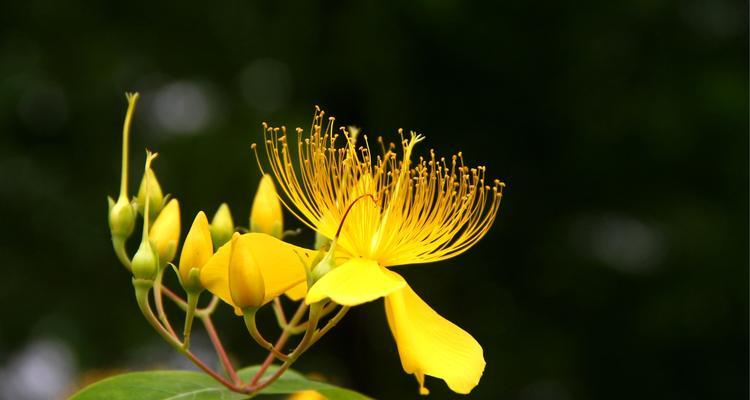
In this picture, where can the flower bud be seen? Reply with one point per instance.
(155, 195)
(145, 262)
(121, 218)
(222, 226)
(246, 286)
(196, 251)
(266, 216)
(165, 232)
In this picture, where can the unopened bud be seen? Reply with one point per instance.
(222, 226)
(165, 232)
(196, 251)
(246, 285)
(121, 218)
(155, 195)
(145, 262)
(266, 215)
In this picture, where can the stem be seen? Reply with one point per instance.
(199, 312)
(209, 325)
(331, 323)
(160, 303)
(209, 309)
(200, 364)
(175, 298)
(118, 243)
(132, 99)
(327, 309)
(303, 345)
(142, 287)
(279, 343)
(278, 310)
(252, 328)
(189, 316)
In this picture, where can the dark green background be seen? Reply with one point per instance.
(617, 268)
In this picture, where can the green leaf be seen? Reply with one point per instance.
(184, 385)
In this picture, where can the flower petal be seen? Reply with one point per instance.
(215, 274)
(165, 232)
(282, 265)
(429, 344)
(198, 248)
(298, 292)
(354, 282)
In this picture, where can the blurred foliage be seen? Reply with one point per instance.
(618, 267)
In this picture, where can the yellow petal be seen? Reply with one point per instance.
(197, 248)
(165, 232)
(266, 216)
(298, 292)
(281, 264)
(354, 282)
(246, 286)
(429, 344)
(215, 274)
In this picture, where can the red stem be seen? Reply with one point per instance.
(172, 295)
(197, 361)
(279, 345)
(209, 325)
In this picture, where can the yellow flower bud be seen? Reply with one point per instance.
(165, 232)
(266, 216)
(155, 196)
(222, 226)
(145, 262)
(246, 284)
(196, 251)
(121, 218)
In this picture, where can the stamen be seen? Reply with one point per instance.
(349, 208)
(429, 209)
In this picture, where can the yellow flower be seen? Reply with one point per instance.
(421, 211)
(196, 251)
(232, 273)
(266, 216)
(165, 232)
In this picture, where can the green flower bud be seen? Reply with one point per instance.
(145, 262)
(222, 226)
(155, 196)
(121, 218)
